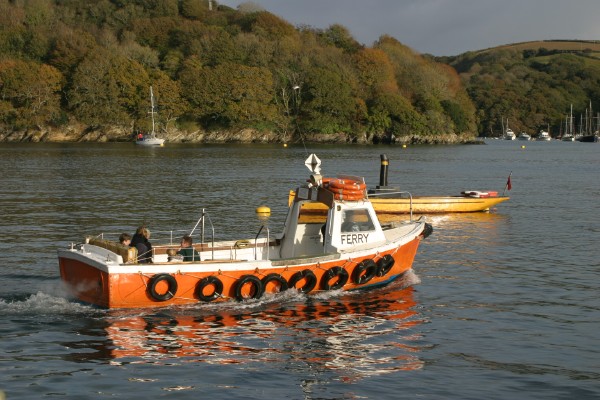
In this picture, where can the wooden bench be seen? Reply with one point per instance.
(129, 254)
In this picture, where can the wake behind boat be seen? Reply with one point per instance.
(351, 250)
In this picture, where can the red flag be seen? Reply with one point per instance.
(508, 184)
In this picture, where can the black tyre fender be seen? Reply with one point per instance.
(385, 264)
(243, 281)
(364, 272)
(311, 280)
(209, 281)
(283, 285)
(428, 230)
(334, 272)
(171, 289)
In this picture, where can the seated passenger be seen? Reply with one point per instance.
(187, 251)
(125, 239)
(172, 256)
(142, 244)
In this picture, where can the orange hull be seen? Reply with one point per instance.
(135, 289)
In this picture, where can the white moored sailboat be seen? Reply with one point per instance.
(508, 133)
(150, 139)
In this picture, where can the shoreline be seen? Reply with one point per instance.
(104, 134)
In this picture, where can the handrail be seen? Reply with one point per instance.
(202, 218)
(154, 233)
(256, 241)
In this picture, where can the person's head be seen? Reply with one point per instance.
(125, 239)
(186, 241)
(145, 232)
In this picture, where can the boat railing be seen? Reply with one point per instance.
(202, 219)
(256, 240)
(394, 193)
(172, 234)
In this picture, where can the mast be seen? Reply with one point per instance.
(571, 130)
(590, 123)
(152, 108)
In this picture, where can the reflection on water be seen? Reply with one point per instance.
(357, 334)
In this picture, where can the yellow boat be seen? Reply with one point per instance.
(419, 204)
(390, 201)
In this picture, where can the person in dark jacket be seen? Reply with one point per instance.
(142, 244)
(187, 250)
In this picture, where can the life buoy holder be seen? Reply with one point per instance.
(171, 287)
(255, 290)
(334, 272)
(209, 281)
(364, 272)
(274, 277)
(385, 264)
(308, 276)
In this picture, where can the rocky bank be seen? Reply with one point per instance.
(102, 134)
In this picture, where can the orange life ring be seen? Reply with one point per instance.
(346, 191)
(347, 197)
(346, 184)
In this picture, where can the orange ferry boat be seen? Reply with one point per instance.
(350, 250)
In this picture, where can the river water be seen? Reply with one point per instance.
(500, 305)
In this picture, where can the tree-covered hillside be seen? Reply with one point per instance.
(533, 85)
(91, 63)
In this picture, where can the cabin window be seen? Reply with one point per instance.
(357, 221)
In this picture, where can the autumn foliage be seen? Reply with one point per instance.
(92, 62)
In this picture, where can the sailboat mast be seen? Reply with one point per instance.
(571, 131)
(152, 108)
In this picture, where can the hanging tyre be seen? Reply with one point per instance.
(248, 287)
(385, 264)
(276, 279)
(162, 287)
(216, 284)
(364, 272)
(308, 276)
(339, 276)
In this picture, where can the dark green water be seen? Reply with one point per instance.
(503, 305)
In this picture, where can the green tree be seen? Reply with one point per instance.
(108, 89)
(169, 102)
(229, 94)
(30, 92)
(328, 104)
